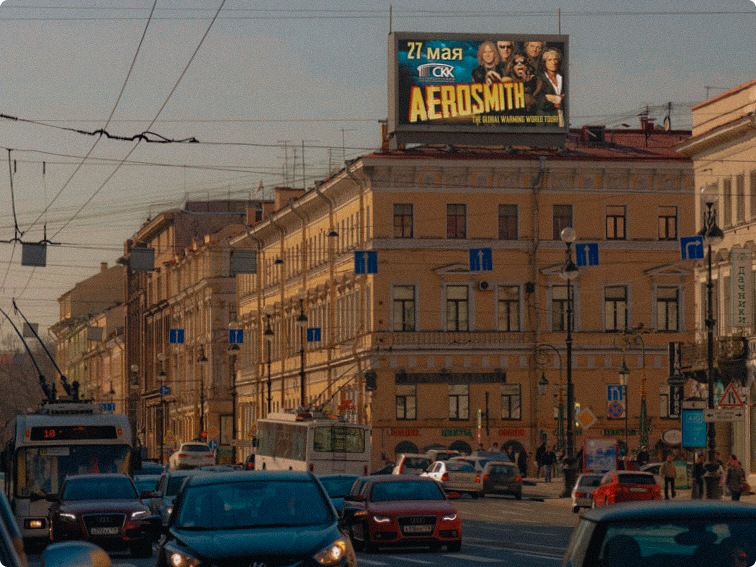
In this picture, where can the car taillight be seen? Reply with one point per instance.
(183, 455)
(445, 476)
(210, 455)
(518, 479)
(312, 467)
(364, 470)
(401, 468)
(581, 494)
(477, 477)
(485, 476)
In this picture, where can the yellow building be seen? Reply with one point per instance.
(723, 151)
(457, 353)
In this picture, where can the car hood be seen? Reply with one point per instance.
(99, 506)
(295, 541)
(411, 507)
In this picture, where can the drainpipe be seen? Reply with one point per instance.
(331, 287)
(362, 328)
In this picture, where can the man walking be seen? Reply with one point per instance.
(698, 477)
(669, 472)
(539, 458)
(549, 458)
(735, 478)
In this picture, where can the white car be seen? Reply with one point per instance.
(582, 492)
(191, 455)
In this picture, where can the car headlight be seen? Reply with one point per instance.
(139, 514)
(169, 510)
(180, 557)
(332, 554)
(65, 517)
(449, 517)
(381, 519)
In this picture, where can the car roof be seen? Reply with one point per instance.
(671, 510)
(339, 475)
(239, 476)
(187, 443)
(400, 478)
(93, 476)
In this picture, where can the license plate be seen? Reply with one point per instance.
(105, 531)
(417, 529)
(638, 490)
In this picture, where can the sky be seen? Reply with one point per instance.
(260, 83)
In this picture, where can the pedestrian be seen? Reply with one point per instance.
(642, 457)
(669, 472)
(539, 458)
(511, 454)
(549, 458)
(698, 477)
(522, 462)
(494, 448)
(735, 478)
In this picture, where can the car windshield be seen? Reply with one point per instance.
(337, 486)
(409, 490)
(146, 482)
(416, 463)
(252, 504)
(590, 480)
(695, 542)
(196, 448)
(464, 467)
(105, 488)
(630, 478)
(174, 483)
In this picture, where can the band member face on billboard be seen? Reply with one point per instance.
(487, 55)
(505, 48)
(533, 49)
(551, 61)
(520, 68)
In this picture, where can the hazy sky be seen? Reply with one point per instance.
(267, 78)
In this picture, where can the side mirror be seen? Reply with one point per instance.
(357, 498)
(75, 554)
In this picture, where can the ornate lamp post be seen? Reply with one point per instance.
(569, 272)
(712, 236)
(625, 339)
(233, 354)
(624, 377)
(161, 373)
(268, 335)
(202, 362)
(302, 324)
(542, 361)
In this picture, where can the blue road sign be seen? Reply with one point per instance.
(587, 254)
(365, 262)
(213, 444)
(165, 390)
(481, 260)
(693, 428)
(613, 393)
(692, 247)
(313, 335)
(108, 407)
(176, 336)
(236, 336)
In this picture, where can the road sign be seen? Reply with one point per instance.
(694, 404)
(165, 390)
(586, 418)
(213, 444)
(693, 427)
(615, 410)
(724, 414)
(587, 254)
(730, 398)
(110, 406)
(236, 336)
(176, 336)
(313, 335)
(365, 262)
(614, 393)
(691, 247)
(481, 260)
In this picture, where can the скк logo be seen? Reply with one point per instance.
(436, 71)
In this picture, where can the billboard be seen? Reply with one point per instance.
(488, 89)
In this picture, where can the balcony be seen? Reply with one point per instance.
(442, 340)
(730, 354)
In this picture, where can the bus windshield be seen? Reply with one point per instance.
(41, 470)
(339, 439)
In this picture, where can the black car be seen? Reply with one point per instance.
(264, 518)
(705, 533)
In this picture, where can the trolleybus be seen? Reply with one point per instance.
(61, 438)
(289, 441)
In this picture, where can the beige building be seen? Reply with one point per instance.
(457, 352)
(723, 150)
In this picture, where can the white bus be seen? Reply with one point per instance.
(288, 441)
(62, 438)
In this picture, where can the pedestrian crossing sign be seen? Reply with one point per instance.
(730, 398)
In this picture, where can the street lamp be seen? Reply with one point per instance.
(542, 361)
(543, 385)
(268, 335)
(161, 373)
(202, 362)
(233, 353)
(569, 272)
(624, 376)
(712, 236)
(302, 324)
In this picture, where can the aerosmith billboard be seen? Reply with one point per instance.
(478, 89)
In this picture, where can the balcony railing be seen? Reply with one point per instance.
(450, 339)
(694, 355)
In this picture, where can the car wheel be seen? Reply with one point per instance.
(143, 549)
(575, 509)
(454, 546)
(518, 495)
(474, 495)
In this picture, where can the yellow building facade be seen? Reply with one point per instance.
(373, 299)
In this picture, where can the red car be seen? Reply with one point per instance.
(105, 509)
(401, 510)
(626, 486)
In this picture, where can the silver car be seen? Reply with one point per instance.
(582, 492)
(167, 488)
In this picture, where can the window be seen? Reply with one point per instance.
(740, 198)
(456, 308)
(509, 308)
(403, 220)
(508, 229)
(615, 222)
(404, 308)
(406, 401)
(559, 308)
(562, 219)
(667, 309)
(459, 401)
(510, 401)
(727, 205)
(667, 223)
(615, 308)
(456, 226)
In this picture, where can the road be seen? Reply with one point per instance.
(497, 531)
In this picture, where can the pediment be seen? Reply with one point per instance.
(457, 269)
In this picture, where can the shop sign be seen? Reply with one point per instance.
(405, 432)
(456, 433)
(515, 432)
